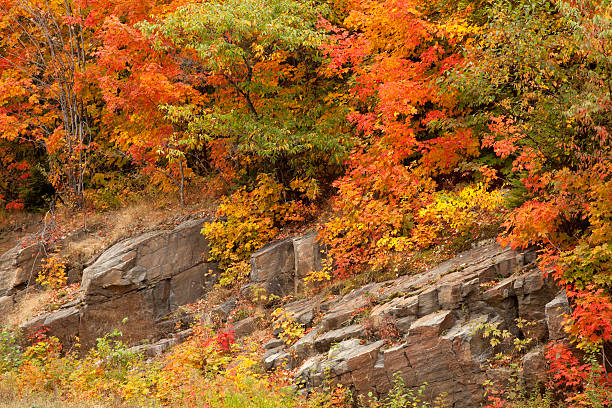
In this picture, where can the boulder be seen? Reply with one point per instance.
(449, 295)
(305, 347)
(273, 268)
(308, 256)
(158, 348)
(403, 325)
(101, 318)
(178, 254)
(501, 291)
(324, 342)
(63, 324)
(6, 305)
(274, 343)
(310, 373)
(354, 364)
(221, 313)
(280, 268)
(433, 324)
(303, 311)
(428, 301)
(440, 311)
(245, 327)
(534, 367)
(20, 265)
(397, 308)
(467, 341)
(395, 360)
(533, 292)
(335, 319)
(277, 358)
(555, 311)
(143, 279)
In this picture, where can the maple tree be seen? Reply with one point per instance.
(411, 136)
(540, 92)
(135, 80)
(42, 62)
(428, 123)
(264, 107)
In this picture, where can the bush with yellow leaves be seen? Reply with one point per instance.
(53, 272)
(247, 220)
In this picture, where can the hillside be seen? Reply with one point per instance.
(306, 203)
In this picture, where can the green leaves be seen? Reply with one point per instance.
(259, 59)
(229, 35)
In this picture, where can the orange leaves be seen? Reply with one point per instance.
(442, 154)
(56, 140)
(133, 76)
(393, 50)
(395, 26)
(582, 382)
(508, 134)
(534, 221)
(591, 319)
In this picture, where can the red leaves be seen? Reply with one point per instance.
(225, 340)
(591, 318)
(15, 205)
(344, 50)
(206, 337)
(565, 367)
(581, 382)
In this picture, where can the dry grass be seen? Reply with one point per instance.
(41, 401)
(152, 212)
(27, 306)
(15, 225)
(11, 397)
(103, 230)
(85, 249)
(130, 219)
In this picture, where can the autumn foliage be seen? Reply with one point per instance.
(415, 125)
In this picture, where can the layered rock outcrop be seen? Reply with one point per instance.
(19, 265)
(280, 268)
(435, 317)
(423, 328)
(143, 279)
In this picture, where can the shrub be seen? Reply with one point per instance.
(375, 232)
(11, 353)
(53, 272)
(247, 220)
(401, 396)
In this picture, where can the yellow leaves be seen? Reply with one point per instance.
(459, 29)
(309, 187)
(53, 272)
(460, 211)
(197, 373)
(314, 278)
(250, 219)
(258, 49)
(289, 330)
(317, 276)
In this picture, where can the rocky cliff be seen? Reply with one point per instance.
(424, 327)
(433, 319)
(143, 279)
